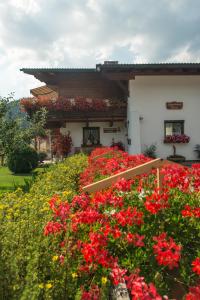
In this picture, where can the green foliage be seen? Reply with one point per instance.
(28, 263)
(17, 130)
(22, 160)
(150, 151)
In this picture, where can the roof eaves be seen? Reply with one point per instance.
(58, 70)
(146, 66)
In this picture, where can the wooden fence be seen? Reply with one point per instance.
(130, 173)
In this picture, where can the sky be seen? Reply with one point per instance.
(82, 33)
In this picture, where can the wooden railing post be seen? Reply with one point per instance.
(120, 292)
(159, 180)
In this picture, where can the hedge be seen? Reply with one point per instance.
(27, 260)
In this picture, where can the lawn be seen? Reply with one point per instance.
(9, 181)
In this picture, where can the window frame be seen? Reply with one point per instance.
(91, 128)
(182, 122)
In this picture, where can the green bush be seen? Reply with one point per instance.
(150, 151)
(22, 160)
(28, 264)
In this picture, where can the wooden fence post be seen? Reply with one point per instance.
(159, 179)
(120, 292)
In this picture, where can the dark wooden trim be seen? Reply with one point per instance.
(61, 123)
(61, 115)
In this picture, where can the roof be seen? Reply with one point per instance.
(147, 66)
(125, 71)
(57, 70)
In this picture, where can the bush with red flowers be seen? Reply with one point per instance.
(61, 144)
(177, 138)
(132, 232)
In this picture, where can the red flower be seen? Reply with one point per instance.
(117, 274)
(189, 212)
(135, 239)
(140, 290)
(80, 201)
(194, 293)
(123, 185)
(53, 228)
(92, 294)
(156, 202)
(167, 252)
(129, 217)
(196, 266)
(177, 138)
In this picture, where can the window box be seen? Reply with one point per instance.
(177, 138)
(174, 132)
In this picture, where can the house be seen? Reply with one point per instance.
(136, 104)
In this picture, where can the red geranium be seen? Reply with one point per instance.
(177, 138)
(194, 293)
(167, 252)
(196, 266)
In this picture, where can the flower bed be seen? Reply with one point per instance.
(131, 232)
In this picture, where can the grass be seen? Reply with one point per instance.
(10, 181)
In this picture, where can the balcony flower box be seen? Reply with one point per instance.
(177, 138)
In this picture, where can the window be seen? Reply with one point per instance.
(174, 127)
(91, 136)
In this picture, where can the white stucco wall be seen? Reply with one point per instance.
(148, 97)
(76, 130)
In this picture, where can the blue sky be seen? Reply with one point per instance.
(81, 33)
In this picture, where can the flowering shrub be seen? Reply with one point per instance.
(84, 244)
(61, 144)
(130, 233)
(104, 162)
(28, 264)
(177, 138)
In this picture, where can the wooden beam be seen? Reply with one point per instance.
(128, 174)
(159, 179)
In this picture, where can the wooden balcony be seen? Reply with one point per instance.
(59, 118)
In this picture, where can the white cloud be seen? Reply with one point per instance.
(52, 33)
(26, 6)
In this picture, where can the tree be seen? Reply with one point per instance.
(17, 129)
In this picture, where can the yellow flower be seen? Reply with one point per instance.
(41, 285)
(74, 275)
(2, 206)
(48, 286)
(66, 193)
(55, 258)
(104, 280)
